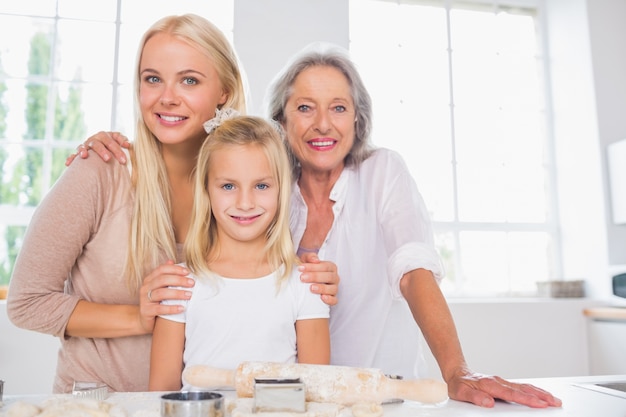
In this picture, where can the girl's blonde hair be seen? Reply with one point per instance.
(151, 237)
(202, 237)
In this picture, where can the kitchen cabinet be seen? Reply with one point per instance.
(607, 340)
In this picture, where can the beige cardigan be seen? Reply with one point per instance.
(75, 248)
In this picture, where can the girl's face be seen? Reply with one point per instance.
(319, 119)
(179, 89)
(243, 192)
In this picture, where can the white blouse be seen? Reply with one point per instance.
(381, 231)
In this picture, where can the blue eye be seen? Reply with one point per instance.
(340, 109)
(303, 108)
(262, 186)
(190, 81)
(228, 187)
(152, 79)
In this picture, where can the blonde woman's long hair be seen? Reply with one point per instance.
(202, 239)
(152, 239)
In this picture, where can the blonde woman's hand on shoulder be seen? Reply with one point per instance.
(163, 283)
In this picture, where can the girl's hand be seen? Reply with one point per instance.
(155, 288)
(105, 144)
(323, 276)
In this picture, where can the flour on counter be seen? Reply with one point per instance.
(70, 407)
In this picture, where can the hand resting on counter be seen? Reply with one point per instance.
(484, 390)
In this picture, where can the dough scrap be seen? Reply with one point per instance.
(65, 408)
(22, 409)
(367, 410)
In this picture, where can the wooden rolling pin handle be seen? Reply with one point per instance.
(206, 376)
(427, 391)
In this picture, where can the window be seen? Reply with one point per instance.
(458, 90)
(66, 72)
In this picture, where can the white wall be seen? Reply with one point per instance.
(267, 33)
(581, 198)
(27, 359)
(587, 57)
(607, 36)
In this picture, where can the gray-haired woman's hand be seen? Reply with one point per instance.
(322, 275)
(483, 390)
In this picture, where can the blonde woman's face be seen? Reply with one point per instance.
(243, 192)
(179, 90)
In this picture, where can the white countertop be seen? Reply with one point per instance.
(578, 401)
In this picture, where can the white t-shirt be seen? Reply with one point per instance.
(228, 321)
(381, 231)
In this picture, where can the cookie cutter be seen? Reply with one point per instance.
(279, 394)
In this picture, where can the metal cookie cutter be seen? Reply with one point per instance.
(93, 390)
(279, 394)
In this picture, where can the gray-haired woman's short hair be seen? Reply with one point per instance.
(328, 55)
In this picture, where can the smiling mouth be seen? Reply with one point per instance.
(171, 118)
(322, 143)
(245, 218)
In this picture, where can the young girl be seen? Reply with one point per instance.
(248, 302)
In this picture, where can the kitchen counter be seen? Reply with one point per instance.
(578, 400)
(606, 313)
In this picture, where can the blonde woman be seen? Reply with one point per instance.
(88, 266)
(248, 302)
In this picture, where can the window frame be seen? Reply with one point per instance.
(455, 227)
(128, 21)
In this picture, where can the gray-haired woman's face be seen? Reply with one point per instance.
(319, 119)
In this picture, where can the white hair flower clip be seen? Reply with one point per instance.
(220, 117)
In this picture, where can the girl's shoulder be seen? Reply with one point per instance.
(294, 283)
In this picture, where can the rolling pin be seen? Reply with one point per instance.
(323, 383)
